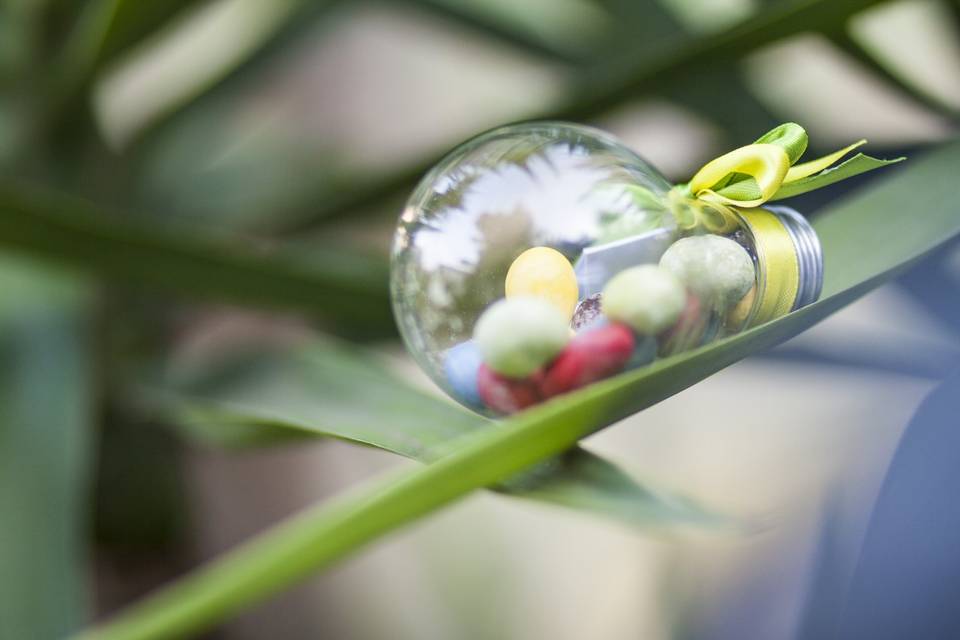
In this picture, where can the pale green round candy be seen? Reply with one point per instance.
(518, 335)
(647, 298)
(715, 269)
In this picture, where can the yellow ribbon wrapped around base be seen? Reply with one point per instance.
(779, 265)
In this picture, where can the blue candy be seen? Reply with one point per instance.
(461, 364)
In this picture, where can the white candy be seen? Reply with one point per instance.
(648, 298)
(518, 335)
(715, 269)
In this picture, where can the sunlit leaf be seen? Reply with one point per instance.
(291, 21)
(135, 21)
(904, 86)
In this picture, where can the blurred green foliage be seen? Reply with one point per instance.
(47, 436)
(60, 380)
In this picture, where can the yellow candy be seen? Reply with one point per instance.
(545, 273)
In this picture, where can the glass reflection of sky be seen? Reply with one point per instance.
(557, 188)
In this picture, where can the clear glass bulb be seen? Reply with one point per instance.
(568, 188)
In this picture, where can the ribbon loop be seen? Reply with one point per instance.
(766, 165)
(791, 136)
(767, 170)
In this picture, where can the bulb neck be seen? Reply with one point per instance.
(808, 251)
(789, 261)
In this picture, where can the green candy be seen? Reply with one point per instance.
(516, 336)
(715, 269)
(647, 298)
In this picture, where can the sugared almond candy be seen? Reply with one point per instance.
(517, 336)
(542, 272)
(592, 355)
(717, 269)
(647, 298)
(507, 395)
(461, 364)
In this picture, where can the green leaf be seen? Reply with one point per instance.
(484, 19)
(903, 85)
(630, 74)
(45, 436)
(632, 71)
(104, 30)
(856, 165)
(135, 21)
(76, 61)
(292, 22)
(623, 22)
(866, 241)
(331, 389)
(652, 25)
(326, 389)
(337, 284)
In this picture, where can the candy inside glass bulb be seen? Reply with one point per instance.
(538, 258)
(553, 185)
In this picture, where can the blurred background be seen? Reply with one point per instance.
(296, 128)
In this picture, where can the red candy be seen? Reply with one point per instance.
(507, 395)
(588, 357)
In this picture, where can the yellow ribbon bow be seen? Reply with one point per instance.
(766, 170)
(750, 176)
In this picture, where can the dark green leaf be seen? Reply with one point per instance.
(297, 19)
(45, 435)
(636, 70)
(134, 21)
(856, 165)
(336, 284)
(104, 30)
(334, 390)
(648, 27)
(479, 18)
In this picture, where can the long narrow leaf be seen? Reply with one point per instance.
(334, 390)
(502, 30)
(842, 40)
(298, 17)
(333, 284)
(135, 21)
(45, 446)
(866, 240)
(739, 115)
(856, 165)
(634, 72)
